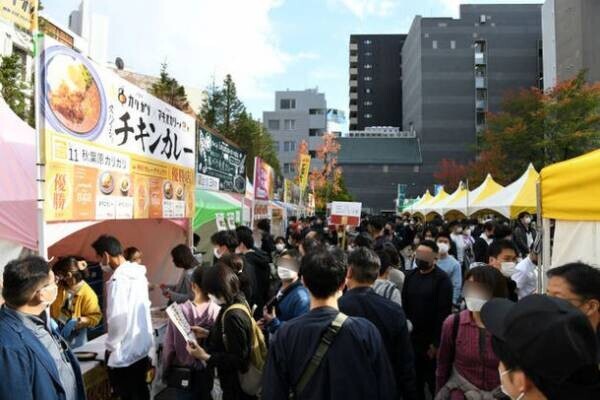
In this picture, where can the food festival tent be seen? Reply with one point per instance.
(570, 195)
(210, 203)
(439, 207)
(461, 204)
(427, 209)
(18, 220)
(510, 201)
(425, 199)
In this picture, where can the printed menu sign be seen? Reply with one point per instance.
(221, 166)
(111, 150)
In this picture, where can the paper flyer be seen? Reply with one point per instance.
(176, 316)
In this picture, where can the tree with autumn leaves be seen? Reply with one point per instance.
(534, 126)
(326, 182)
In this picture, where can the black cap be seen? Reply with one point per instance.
(547, 336)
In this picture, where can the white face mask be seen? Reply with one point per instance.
(526, 220)
(459, 230)
(280, 246)
(474, 304)
(467, 232)
(503, 390)
(351, 248)
(106, 268)
(52, 292)
(216, 300)
(443, 248)
(508, 268)
(216, 252)
(286, 273)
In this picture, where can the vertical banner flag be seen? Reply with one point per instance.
(303, 170)
(401, 195)
(264, 188)
(111, 150)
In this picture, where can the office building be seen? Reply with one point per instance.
(300, 115)
(375, 81)
(455, 71)
(375, 161)
(571, 40)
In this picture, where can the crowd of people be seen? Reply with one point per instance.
(391, 309)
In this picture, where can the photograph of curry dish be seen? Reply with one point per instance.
(73, 95)
(107, 183)
(124, 186)
(168, 190)
(179, 193)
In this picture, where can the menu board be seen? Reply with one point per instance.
(221, 166)
(111, 150)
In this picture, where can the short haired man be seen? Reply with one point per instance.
(449, 265)
(129, 339)
(502, 255)
(257, 267)
(579, 284)
(362, 301)
(376, 230)
(357, 351)
(480, 247)
(35, 361)
(427, 301)
(223, 242)
(546, 347)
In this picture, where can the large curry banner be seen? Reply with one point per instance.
(112, 150)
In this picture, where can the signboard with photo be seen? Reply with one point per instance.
(220, 162)
(111, 150)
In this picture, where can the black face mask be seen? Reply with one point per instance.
(422, 264)
(386, 232)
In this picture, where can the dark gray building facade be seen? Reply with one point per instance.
(455, 71)
(374, 166)
(375, 81)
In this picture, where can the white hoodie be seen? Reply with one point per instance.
(129, 336)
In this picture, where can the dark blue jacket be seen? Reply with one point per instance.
(355, 367)
(390, 320)
(294, 302)
(28, 371)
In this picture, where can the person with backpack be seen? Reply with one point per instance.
(324, 354)
(235, 346)
(466, 364)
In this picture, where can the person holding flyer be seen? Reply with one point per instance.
(179, 365)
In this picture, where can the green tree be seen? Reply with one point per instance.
(212, 106)
(251, 136)
(170, 91)
(13, 86)
(233, 108)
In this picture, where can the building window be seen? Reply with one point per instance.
(368, 54)
(367, 116)
(289, 124)
(453, 44)
(315, 132)
(368, 66)
(368, 90)
(292, 146)
(287, 104)
(368, 103)
(273, 124)
(434, 44)
(416, 169)
(386, 169)
(276, 146)
(286, 168)
(368, 78)
(312, 153)
(367, 41)
(316, 111)
(442, 24)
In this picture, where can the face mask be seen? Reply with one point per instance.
(443, 248)
(216, 253)
(503, 390)
(106, 268)
(428, 238)
(474, 304)
(325, 230)
(405, 223)
(286, 273)
(467, 232)
(526, 220)
(508, 269)
(351, 248)
(52, 292)
(416, 241)
(422, 264)
(216, 300)
(459, 230)
(386, 232)
(280, 247)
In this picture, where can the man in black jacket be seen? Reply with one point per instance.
(361, 301)
(355, 366)
(427, 300)
(480, 247)
(523, 234)
(267, 243)
(257, 266)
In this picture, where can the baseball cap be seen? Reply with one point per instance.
(548, 337)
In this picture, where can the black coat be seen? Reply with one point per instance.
(520, 238)
(259, 271)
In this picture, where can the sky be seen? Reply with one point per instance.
(266, 45)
